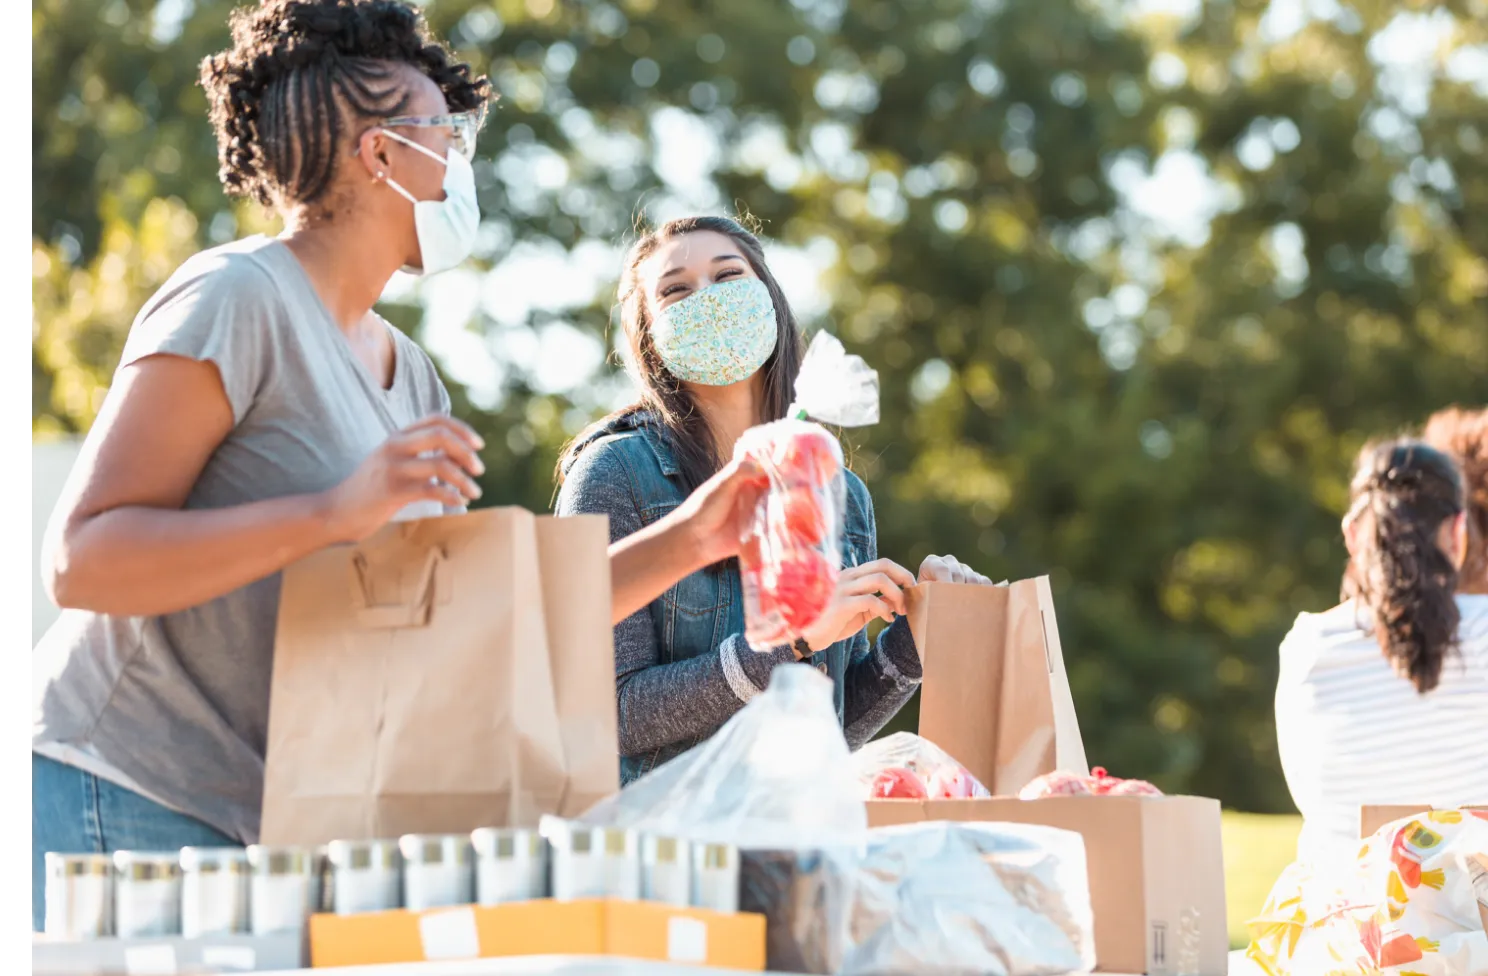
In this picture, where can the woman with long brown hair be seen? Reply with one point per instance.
(1384, 699)
(716, 350)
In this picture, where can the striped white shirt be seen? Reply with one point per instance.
(1352, 732)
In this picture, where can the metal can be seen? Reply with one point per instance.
(214, 891)
(511, 864)
(365, 876)
(79, 896)
(284, 888)
(437, 871)
(147, 894)
(715, 876)
(666, 872)
(594, 862)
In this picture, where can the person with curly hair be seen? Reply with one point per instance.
(261, 411)
(1384, 699)
(1464, 435)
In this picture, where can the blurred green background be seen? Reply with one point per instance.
(1139, 277)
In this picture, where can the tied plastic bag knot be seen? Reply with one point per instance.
(835, 387)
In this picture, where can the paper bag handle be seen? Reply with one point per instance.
(387, 616)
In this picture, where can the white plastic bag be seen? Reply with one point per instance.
(777, 782)
(953, 898)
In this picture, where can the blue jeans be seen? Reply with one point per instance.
(73, 812)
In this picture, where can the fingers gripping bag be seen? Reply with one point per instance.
(792, 549)
(1414, 901)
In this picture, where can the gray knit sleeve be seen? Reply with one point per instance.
(660, 704)
(882, 676)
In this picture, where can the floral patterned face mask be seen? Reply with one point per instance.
(720, 335)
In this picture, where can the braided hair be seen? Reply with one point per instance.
(1400, 571)
(300, 71)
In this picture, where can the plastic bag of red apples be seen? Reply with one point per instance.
(791, 552)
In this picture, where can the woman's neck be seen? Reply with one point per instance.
(730, 410)
(348, 264)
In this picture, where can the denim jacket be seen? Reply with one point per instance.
(682, 667)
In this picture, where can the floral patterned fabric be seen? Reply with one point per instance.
(1414, 903)
(720, 335)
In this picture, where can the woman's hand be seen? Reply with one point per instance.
(864, 592)
(716, 515)
(949, 569)
(431, 460)
(705, 529)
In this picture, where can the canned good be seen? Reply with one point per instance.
(510, 865)
(666, 873)
(147, 894)
(214, 891)
(284, 888)
(715, 876)
(79, 896)
(594, 862)
(365, 876)
(437, 871)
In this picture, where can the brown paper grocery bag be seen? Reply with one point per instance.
(446, 674)
(995, 695)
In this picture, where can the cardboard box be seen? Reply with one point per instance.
(1373, 817)
(1156, 871)
(599, 927)
(208, 954)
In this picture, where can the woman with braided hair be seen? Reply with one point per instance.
(261, 411)
(1384, 699)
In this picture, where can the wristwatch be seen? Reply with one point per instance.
(803, 650)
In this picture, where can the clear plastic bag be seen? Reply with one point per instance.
(952, 898)
(792, 549)
(905, 766)
(778, 783)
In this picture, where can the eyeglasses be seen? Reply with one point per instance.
(464, 127)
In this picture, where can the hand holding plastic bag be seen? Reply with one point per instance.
(791, 554)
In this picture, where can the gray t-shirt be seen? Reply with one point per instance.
(177, 707)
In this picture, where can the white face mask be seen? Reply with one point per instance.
(446, 228)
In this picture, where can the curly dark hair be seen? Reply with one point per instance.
(1401, 573)
(1464, 435)
(280, 96)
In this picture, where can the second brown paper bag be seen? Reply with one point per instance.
(995, 694)
(446, 674)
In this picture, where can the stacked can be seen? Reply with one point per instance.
(437, 871)
(366, 876)
(511, 864)
(214, 891)
(79, 896)
(147, 894)
(284, 890)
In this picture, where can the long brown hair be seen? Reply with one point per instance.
(1464, 435)
(697, 451)
(1399, 570)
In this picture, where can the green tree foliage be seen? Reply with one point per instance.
(1139, 284)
